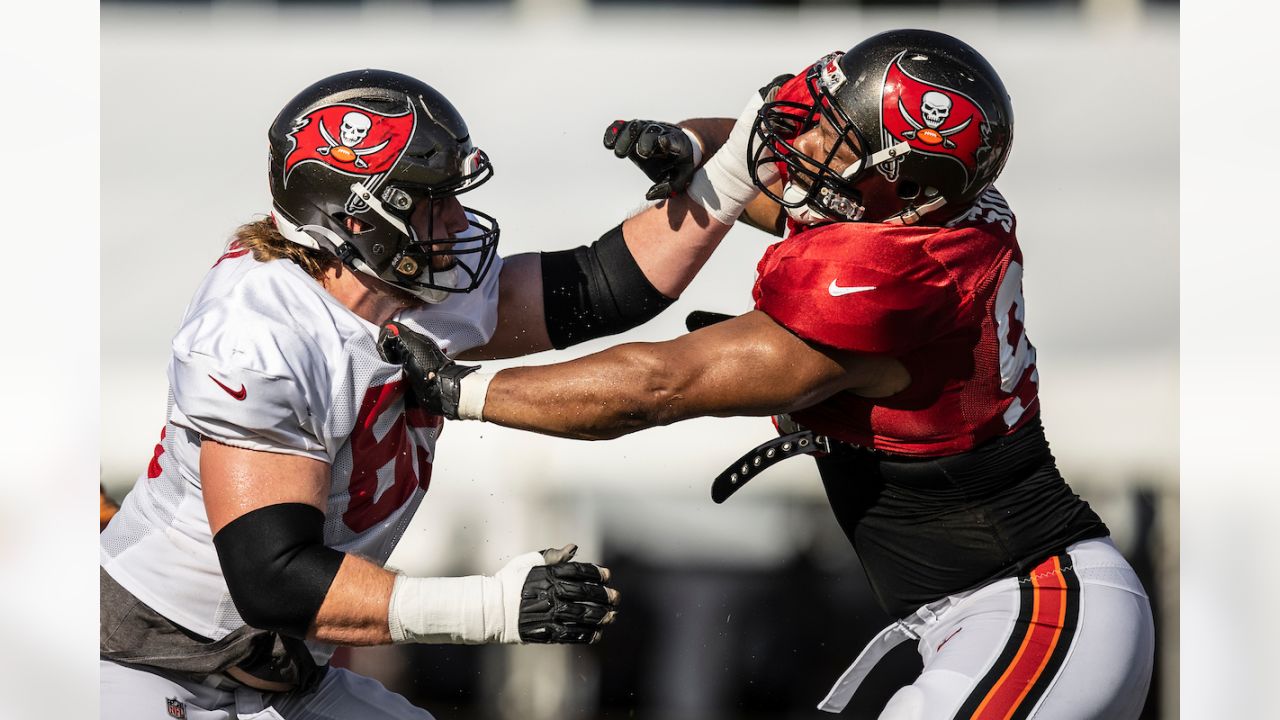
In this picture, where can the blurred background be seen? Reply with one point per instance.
(749, 609)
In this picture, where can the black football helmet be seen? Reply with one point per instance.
(353, 155)
(927, 117)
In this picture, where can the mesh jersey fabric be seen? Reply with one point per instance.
(945, 301)
(266, 359)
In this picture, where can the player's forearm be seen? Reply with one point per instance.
(711, 132)
(354, 611)
(763, 212)
(747, 366)
(671, 242)
(597, 397)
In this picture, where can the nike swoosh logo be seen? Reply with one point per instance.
(837, 291)
(237, 394)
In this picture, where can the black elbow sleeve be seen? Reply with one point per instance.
(594, 291)
(277, 567)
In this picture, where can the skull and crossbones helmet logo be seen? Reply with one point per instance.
(355, 127)
(935, 108)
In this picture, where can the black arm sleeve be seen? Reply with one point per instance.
(594, 291)
(277, 566)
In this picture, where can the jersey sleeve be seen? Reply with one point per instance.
(246, 381)
(869, 294)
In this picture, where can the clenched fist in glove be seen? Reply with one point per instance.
(436, 381)
(535, 598)
(566, 602)
(666, 153)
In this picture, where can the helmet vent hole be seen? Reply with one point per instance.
(908, 190)
(353, 224)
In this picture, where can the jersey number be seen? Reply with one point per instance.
(1018, 374)
(369, 454)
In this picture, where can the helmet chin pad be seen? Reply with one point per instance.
(801, 208)
(434, 295)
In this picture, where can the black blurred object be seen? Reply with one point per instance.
(699, 319)
(724, 643)
(662, 151)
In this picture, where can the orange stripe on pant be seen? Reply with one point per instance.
(1048, 616)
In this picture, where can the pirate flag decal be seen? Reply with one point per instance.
(349, 139)
(934, 119)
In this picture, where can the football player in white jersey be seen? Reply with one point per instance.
(292, 458)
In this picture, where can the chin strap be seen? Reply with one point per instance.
(912, 214)
(447, 277)
(877, 158)
(301, 234)
(843, 207)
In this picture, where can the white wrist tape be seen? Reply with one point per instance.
(723, 185)
(697, 146)
(467, 610)
(472, 391)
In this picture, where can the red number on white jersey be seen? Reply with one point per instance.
(370, 454)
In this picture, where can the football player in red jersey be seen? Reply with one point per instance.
(888, 336)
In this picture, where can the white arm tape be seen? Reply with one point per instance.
(723, 185)
(472, 390)
(462, 611)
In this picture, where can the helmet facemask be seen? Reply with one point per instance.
(427, 266)
(815, 191)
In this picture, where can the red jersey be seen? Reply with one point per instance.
(945, 301)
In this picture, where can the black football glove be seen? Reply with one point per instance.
(433, 377)
(661, 150)
(566, 602)
(770, 91)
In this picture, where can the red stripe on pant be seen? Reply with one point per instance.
(1043, 635)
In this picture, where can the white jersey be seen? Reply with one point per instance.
(266, 359)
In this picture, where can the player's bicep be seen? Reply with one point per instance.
(751, 365)
(236, 481)
(522, 324)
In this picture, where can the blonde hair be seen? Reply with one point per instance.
(266, 243)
